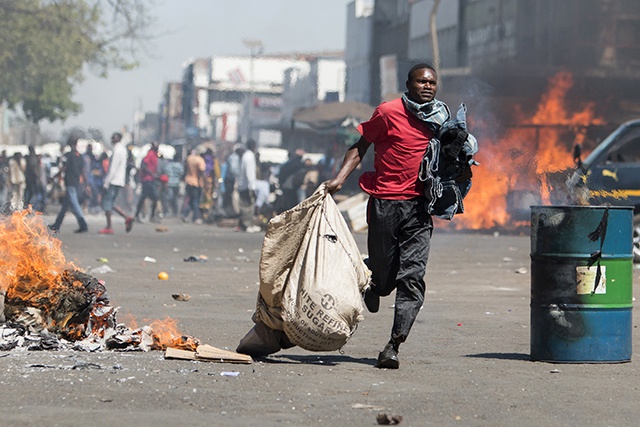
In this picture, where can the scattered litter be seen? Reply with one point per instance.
(181, 297)
(507, 259)
(240, 250)
(162, 229)
(103, 269)
(86, 366)
(207, 353)
(522, 270)
(460, 324)
(102, 260)
(388, 419)
(149, 259)
(367, 406)
(229, 373)
(199, 258)
(176, 250)
(555, 371)
(40, 365)
(163, 275)
(496, 234)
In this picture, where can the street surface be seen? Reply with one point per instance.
(466, 362)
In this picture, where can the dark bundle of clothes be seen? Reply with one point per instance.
(446, 166)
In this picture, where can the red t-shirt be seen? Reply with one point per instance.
(151, 162)
(399, 140)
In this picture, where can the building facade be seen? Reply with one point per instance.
(234, 98)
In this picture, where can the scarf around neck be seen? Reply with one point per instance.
(434, 113)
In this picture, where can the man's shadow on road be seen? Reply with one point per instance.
(501, 356)
(325, 360)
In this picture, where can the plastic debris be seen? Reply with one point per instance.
(522, 270)
(163, 275)
(229, 373)
(103, 269)
(388, 419)
(102, 260)
(181, 297)
(199, 258)
(149, 259)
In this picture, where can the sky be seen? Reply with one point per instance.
(188, 29)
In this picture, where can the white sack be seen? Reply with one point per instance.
(311, 275)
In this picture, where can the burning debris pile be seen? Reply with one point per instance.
(46, 303)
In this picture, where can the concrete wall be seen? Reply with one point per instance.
(358, 52)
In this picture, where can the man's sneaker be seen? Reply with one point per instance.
(128, 224)
(371, 300)
(106, 231)
(388, 358)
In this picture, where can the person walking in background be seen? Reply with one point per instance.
(229, 179)
(99, 172)
(94, 175)
(290, 178)
(75, 181)
(149, 178)
(114, 181)
(207, 191)
(174, 170)
(127, 197)
(400, 227)
(34, 193)
(194, 181)
(17, 180)
(247, 188)
(4, 179)
(163, 178)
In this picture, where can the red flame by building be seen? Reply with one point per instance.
(523, 158)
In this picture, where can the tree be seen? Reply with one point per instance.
(46, 46)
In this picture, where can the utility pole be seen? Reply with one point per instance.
(434, 36)
(255, 48)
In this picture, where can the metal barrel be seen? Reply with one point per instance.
(581, 283)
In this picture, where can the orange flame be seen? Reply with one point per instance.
(524, 157)
(29, 258)
(165, 333)
(36, 274)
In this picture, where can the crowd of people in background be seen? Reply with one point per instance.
(198, 184)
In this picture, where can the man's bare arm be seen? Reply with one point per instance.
(352, 159)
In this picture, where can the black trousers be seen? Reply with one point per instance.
(398, 242)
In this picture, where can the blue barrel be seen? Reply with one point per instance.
(581, 283)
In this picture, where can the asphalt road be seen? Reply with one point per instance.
(466, 362)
